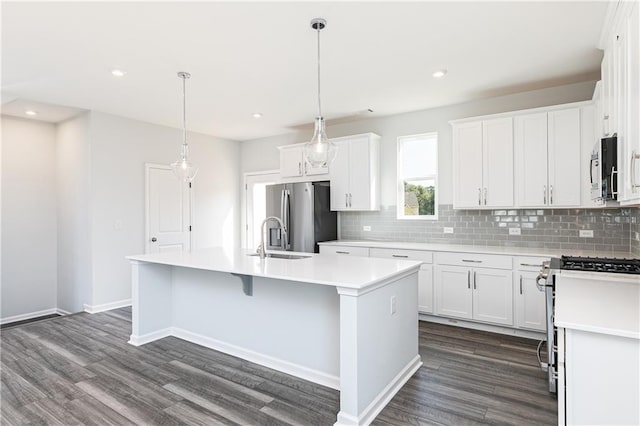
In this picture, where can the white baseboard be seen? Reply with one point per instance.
(62, 312)
(535, 335)
(150, 337)
(29, 315)
(383, 398)
(94, 309)
(287, 367)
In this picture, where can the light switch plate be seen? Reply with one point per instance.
(514, 231)
(366, 228)
(448, 230)
(586, 233)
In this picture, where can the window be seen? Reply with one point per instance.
(418, 176)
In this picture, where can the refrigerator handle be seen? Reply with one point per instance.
(285, 203)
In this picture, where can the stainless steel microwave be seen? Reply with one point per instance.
(604, 169)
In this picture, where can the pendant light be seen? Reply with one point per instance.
(184, 169)
(319, 151)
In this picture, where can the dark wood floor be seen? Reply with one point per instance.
(79, 369)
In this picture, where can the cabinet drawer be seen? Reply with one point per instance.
(424, 256)
(474, 260)
(522, 263)
(350, 251)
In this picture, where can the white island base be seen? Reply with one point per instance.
(349, 324)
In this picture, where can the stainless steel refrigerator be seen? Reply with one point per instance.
(305, 211)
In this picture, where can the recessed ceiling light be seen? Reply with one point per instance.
(257, 115)
(439, 73)
(30, 112)
(118, 73)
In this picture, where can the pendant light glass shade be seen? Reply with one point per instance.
(319, 151)
(184, 169)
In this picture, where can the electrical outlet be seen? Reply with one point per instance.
(392, 302)
(448, 230)
(514, 231)
(586, 233)
(366, 228)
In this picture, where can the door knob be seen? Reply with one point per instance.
(154, 239)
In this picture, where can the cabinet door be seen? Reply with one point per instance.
(314, 171)
(467, 163)
(530, 302)
(493, 296)
(453, 291)
(530, 145)
(564, 158)
(291, 162)
(606, 70)
(359, 174)
(632, 177)
(497, 176)
(425, 289)
(339, 175)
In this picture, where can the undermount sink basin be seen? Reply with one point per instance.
(282, 256)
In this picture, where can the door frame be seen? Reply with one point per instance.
(247, 204)
(147, 239)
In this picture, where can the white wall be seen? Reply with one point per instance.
(28, 217)
(72, 158)
(119, 149)
(261, 154)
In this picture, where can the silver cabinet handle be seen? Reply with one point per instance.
(485, 196)
(469, 279)
(474, 280)
(531, 264)
(632, 169)
(299, 168)
(346, 200)
(471, 261)
(551, 194)
(403, 256)
(544, 194)
(614, 172)
(342, 252)
(305, 167)
(479, 196)
(520, 284)
(350, 198)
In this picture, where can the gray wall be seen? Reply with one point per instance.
(29, 233)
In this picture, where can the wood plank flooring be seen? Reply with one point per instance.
(80, 370)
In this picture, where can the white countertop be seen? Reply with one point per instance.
(461, 248)
(598, 302)
(340, 271)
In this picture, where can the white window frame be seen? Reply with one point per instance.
(401, 178)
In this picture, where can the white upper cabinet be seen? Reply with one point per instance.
(483, 163)
(547, 156)
(467, 151)
(621, 97)
(354, 173)
(293, 165)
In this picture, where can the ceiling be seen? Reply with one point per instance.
(261, 57)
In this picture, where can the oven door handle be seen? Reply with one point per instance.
(543, 365)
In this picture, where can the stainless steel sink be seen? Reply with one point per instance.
(282, 256)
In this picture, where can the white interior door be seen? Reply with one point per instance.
(255, 204)
(168, 210)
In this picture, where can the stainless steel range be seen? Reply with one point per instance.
(547, 282)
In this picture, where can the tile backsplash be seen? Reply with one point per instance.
(634, 237)
(613, 229)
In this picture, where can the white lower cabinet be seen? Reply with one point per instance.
(530, 302)
(453, 291)
(425, 275)
(481, 294)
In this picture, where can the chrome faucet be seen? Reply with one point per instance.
(261, 250)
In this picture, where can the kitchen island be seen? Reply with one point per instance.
(347, 323)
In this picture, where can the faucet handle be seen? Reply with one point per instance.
(259, 249)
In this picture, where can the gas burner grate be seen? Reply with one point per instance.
(596, 264)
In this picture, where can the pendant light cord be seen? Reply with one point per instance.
(319, 101)
(184, 116)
